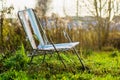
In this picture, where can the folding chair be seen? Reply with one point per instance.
(34, 29)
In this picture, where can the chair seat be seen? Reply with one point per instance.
(58, 46)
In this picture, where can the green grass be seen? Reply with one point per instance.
(102, 66)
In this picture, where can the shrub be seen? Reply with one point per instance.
(17, 61)
(12, 36)
(14, 75)
(108, 48)
(88, 52)
(114, 53)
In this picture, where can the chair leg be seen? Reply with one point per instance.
(70, 59)
(31, 59)
(57, 52)
(60, 58)
(75, 51)
(44, 57)
(50, 55)
(33, 53)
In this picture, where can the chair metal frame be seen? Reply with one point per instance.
(32, 26)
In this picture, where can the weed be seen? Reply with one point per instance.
(102, 65)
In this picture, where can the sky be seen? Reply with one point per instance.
(21, 4)
(56, 6)
(18, 4)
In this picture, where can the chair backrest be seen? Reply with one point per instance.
(31, 25)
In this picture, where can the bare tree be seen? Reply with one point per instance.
(1, 21)
(104, 11)
(42, 6)
(77, 10)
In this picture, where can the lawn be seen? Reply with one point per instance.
(99, 66)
